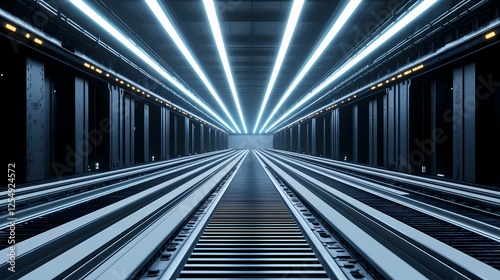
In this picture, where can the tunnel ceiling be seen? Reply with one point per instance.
(252, 32)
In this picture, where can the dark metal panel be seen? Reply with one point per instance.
(165, 133)
(355, 144)
(202, 138)
(176, 136)
(127, 131)
(373, 132)
(132, 128)
(313, 137)
(146, 132)
(433, 126)
(390, 128)
(115, 138)
(210, 139)
(299, 147)
(386, 128)
(469, 123)
(193, 150)
(81, 125)
(458, 123)
(186, 136)
(323, 143)
(291, 139)
(37, 132)
(404, 125)
(308, 138)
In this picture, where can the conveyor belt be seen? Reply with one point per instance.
(252, 234)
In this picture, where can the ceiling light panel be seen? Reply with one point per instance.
(287, 37)
(389, 32)
(129, 44)
(214, 25)
(162, 17)
(339, 23)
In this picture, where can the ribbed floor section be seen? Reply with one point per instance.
(252, 235)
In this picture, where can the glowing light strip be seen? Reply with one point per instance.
(142, 55)
(290, 28)
(387, 34)
(214, 24)
(339, 23)
(169, 28)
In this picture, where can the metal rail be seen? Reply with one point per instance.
(407, 246)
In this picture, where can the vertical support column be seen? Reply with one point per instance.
(291, 139)
(146, 132)
(116, 126)
(82, 125)
(129, 120)
(202, 138)
(335, 124)
(404, 126)
(210, 139)
(308, 138)
(165, 133)
(433, 126)
(313, 137)
(323, 143)
(464, 134)
(193, 131)
(186, 137)
(355, 143)
(176, 136)
(396, 121)
(37, 129)
(372, 133)
(389, 126)
(299, 147)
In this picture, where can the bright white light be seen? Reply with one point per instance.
(169, 28)
(290, 28)
(377, 42)
(339, 23)
(214, 24)
(142, 55)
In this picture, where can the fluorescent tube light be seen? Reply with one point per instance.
(290, 28)
(214, 25)
(339, 23)
(142, 55)
(377, 42)
(169, 28)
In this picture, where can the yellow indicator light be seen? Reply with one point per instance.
(354, 96)
(138, 90)
(392, 79)
(107, 74)
(342, 101)
(98, 70)
(487, 36)
(86, 65)
(11, 27)
(387, 81)
(121, 82)
(380, 84)
(374, 87)
(349, 99)
(128, 85)
(92, 67)
(400, 75)
(38, 41)
(28, 35)
(143, 92)
(116, 79)
(148, 95)
(407, 72)
(418, 67)
(133, 88)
